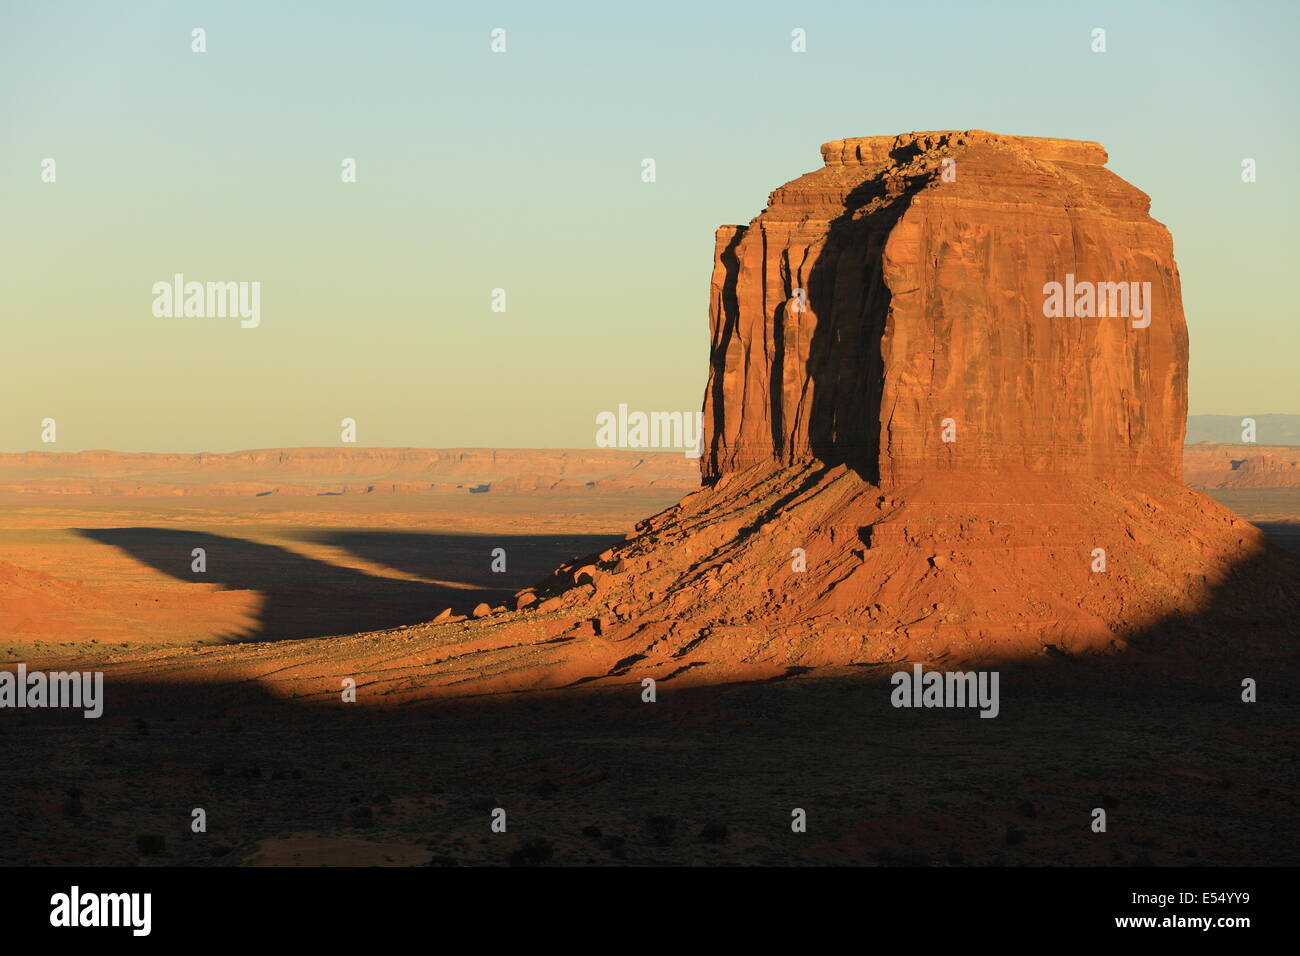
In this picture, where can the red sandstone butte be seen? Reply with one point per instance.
(898, 289)
(923, 300)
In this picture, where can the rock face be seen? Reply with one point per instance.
(900, 288)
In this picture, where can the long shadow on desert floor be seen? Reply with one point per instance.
(304, 597)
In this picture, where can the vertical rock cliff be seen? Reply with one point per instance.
(901, 286)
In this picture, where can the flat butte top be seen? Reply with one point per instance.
(862, 173)
(874, 150)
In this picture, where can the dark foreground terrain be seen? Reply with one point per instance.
(705, 775)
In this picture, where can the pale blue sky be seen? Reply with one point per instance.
(522, 170)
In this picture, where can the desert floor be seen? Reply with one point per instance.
(1187, 774)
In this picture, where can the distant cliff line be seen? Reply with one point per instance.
(326, 471)
(299, 472)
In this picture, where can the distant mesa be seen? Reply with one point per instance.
(308, 472)
(406, 472)
(1212, 465)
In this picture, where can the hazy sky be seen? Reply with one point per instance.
(522, 170)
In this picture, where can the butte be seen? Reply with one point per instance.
(905, 458)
